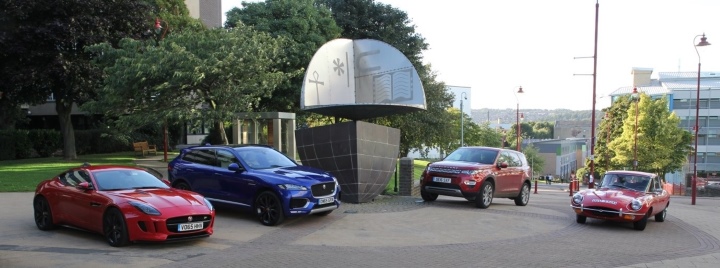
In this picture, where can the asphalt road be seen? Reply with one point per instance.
(391, 232)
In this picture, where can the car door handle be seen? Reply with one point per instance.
(94, 204)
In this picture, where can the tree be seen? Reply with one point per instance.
(210, 74)
(542, 130)
(609, 129)
(367, 19)
(662, 146)
(306, 25)
(665, 143)
(534, 160)
(43, 50)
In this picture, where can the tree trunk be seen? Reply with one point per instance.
(220, 126)
(64, 110)
(7, 115)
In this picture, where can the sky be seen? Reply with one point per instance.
(495, 46)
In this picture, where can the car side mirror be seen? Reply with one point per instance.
(502, 165)
(235, 167)
(85, 186)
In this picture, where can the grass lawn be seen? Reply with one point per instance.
(23, 175)
(418, 168)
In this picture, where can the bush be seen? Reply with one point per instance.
(98, 141)
(46, 141)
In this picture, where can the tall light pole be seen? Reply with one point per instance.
(517, 120)
(463, 96)
(160, 31)
(703, 42)
(591, 184)
(636, 98)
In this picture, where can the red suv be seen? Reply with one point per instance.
(478, 174)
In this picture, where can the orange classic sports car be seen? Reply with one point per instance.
(623, 196)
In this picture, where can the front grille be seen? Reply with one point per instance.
(323, 189)
(443, 185)
(172, 223)
(603, 212)
(444, 170)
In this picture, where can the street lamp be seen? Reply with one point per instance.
(517, 120)
(636, 98)
(463, 96)
(703, 42)
(161, 31)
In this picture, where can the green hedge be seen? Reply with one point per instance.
(23, 143)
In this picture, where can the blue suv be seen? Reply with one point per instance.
(257, 178)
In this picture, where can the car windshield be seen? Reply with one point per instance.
(263, 158)
(626, 181)
(125, 179)
(477, 155)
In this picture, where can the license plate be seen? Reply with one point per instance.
(441, 179)
(190, 226)
(326, 200)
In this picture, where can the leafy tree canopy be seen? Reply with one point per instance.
(42, 49)
(209, 74)
(305, 24)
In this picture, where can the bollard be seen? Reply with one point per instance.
(577, 185)
(572, 186)
(536, 186)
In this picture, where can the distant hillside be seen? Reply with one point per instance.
(508, 116)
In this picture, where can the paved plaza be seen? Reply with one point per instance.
(391, 231)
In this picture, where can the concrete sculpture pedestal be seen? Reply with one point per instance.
(361, 155)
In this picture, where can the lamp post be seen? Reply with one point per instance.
(591, 184)
(517, 114)
(703, 42)
(160, 31)
(636, 98)
(463, 96)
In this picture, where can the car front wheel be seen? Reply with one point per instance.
(580, 219)
(43, 214)
(428, 197)
(524, 196)
(114, 228)
(640, 225)
(660, 217)
(182, 186)
(485, 196)
(269, 209)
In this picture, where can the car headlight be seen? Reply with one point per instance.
(577, 199)
(295, 187)
(636, 204)
(470, 172)
(145, 208)
(208, 204)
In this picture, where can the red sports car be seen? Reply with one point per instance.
(625, 196)
(125, 204)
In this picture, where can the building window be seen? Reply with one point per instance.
(714, 103)
(681, 104)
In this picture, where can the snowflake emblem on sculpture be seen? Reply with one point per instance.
(338, 66)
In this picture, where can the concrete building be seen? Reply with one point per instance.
(208, 11)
